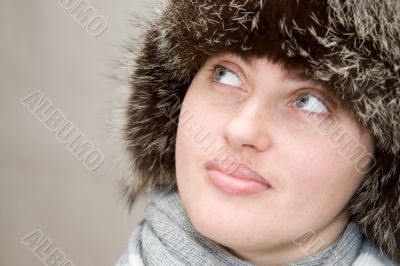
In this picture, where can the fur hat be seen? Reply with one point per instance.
(352, 46)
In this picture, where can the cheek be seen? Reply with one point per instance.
(200, 120)
(318, 176)
(195, 133)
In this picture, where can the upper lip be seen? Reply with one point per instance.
(240, 170)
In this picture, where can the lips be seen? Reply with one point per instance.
(238, 170)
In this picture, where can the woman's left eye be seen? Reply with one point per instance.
(226, 76)
(311, 103)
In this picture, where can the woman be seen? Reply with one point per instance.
(267, 133)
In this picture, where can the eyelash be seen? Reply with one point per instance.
(320, 98)
(323, 99)
(213, 67)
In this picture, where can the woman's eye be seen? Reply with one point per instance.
(226, 76)
(311, 103)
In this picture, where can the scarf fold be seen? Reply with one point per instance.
(166, 237)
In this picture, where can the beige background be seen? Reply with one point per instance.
(42, 185)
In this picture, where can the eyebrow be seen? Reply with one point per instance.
(295, 75)
(289, 74)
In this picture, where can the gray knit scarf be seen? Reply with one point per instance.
(166, 237)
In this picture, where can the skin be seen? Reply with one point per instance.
(252, 112)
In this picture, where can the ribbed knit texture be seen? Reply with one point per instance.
(166, 237)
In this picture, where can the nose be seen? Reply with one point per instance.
(246, 130)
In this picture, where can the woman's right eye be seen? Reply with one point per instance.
(226, 76)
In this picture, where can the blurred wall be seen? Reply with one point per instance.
(45, 191)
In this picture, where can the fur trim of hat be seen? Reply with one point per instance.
(351, 45)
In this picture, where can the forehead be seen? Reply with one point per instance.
(293, 74)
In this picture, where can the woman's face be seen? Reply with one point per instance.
(287, 130)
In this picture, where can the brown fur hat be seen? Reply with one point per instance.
(353, 46)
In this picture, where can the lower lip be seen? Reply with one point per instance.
(233, 185)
